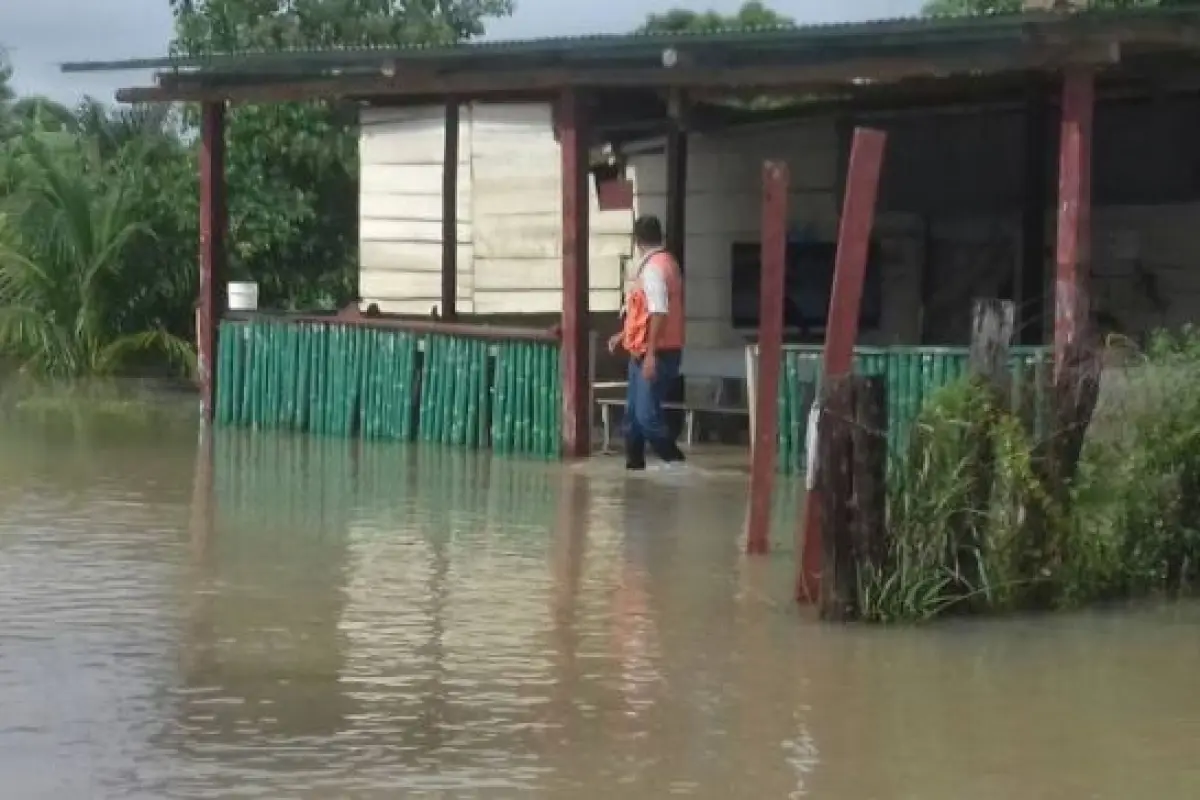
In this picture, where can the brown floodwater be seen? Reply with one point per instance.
(316, 619)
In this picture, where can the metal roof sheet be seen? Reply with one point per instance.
(911, 31)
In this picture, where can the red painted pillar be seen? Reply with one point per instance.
(573, 142)
(1073, 253)
(770, 353)
(841, 328)
(214, 223)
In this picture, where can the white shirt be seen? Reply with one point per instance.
(654, 283)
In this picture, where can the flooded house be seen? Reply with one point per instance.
(1043, 158)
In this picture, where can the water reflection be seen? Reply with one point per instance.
(254, 615)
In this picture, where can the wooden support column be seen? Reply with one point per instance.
(770, 354)
(841, 327)
(677, 161)
(573, 143)
(449, 307)
(214, 223)
(676, 222)
(1031, 288)
(1073, 256)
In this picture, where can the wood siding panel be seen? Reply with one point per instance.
(400, 209)
(417, 207)
(408, 256)
(392, 284)
(538, 301)
(540, 273)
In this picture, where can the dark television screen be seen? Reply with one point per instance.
(808, 281)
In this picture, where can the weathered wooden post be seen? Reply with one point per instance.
(1073, 252)
(870, 443)
(576, 393)
(854, 241)
(770, 354)
(834, 487)
(992, 325)
(214, 222)
(853, 492)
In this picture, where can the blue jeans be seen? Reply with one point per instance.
(644, 420)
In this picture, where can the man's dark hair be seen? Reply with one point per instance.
(647, 231)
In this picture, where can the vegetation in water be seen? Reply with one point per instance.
(975, 526)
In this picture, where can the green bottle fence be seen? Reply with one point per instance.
(912, 375)
(380, 384)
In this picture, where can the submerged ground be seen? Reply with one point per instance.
(395, 622)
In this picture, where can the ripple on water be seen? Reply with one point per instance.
(384, 622)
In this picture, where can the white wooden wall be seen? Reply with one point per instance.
(724, 205)
(509, 213)
(400, 209)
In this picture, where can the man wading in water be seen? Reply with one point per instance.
(652, 335)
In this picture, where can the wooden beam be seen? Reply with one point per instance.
(214, 222)
(573, 145)
(1073, 253)
(676, 221)
(776, 180)
(841, 328)
(449, 308)
(677, 166)
(1031, 288)
(481, 82)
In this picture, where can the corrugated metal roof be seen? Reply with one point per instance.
(900, 30)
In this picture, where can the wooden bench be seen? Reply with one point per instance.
(719, 364)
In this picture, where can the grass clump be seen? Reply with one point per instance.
(984, 518)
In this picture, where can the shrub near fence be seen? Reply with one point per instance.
(912, 374)
(390, 384)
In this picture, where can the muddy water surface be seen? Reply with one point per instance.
(324, 621)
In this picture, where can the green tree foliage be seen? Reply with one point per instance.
(293, 169)
(68, 305)
(752, 14)
(99, 206)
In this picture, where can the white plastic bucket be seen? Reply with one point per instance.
(243, 296)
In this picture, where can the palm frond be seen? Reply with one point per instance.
(176, 351)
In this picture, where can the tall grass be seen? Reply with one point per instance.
(975, 525)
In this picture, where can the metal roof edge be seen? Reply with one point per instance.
(937, 28)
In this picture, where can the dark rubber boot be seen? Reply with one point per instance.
(669, 452)
(635, 454)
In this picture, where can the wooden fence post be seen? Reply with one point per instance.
(838, 583)
(841, 330)
(770, 355)
(992, 326)
(870, 443)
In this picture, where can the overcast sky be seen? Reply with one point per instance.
(41, 34)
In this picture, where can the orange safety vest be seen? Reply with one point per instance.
(637, 313)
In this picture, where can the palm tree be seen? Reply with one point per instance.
(65, 297)
(6, 92)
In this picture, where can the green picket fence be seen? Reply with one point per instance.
(912, 374)
(380, 384)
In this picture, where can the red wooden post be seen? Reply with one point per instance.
(449, 309)
(841, 327)
(573, 141)
(1073, 256)
(770, 354)
(213, 226)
